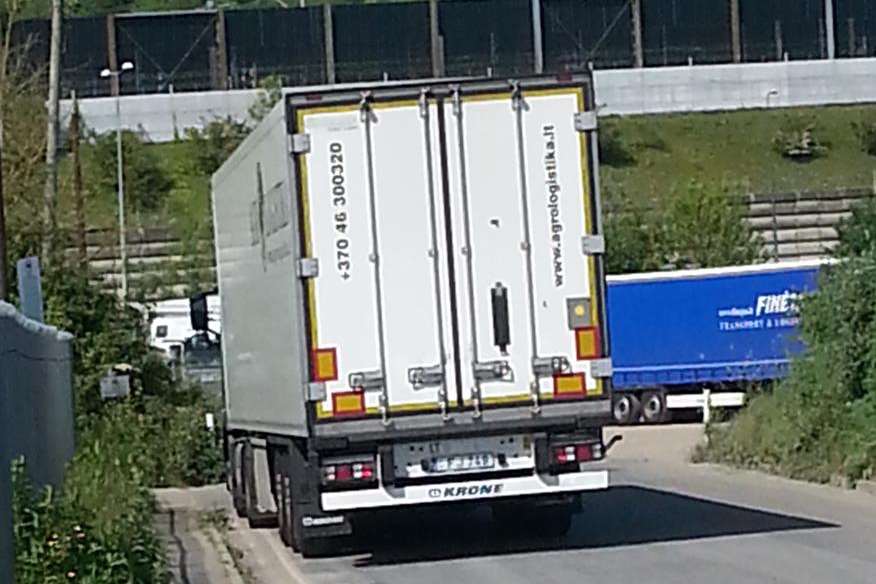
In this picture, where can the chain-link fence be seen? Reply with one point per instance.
(678, 32)
(288, 44)
(36, 410)
(856, 28)
(383, 41)
(218, 49)
(771, 31)
(578, 34)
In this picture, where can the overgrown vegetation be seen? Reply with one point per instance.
(820, 423)
(98, 527)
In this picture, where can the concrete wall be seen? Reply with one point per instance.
(618, 91)
(36, 410)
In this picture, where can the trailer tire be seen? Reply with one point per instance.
(283, 497)
(654, 407)
(238, 482)
(625, 408)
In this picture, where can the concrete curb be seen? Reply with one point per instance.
(868, 487)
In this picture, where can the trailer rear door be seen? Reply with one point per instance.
(524, 205)
(450, 227)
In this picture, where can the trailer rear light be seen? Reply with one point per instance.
(567, 457)
(325, 364)
(349, 474)
(587, 345)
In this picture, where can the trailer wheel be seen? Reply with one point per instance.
(238, 480)
(654, 407)
(625, 408)
(283, 497)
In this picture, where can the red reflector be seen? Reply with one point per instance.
(564, 76)
(343, 472)
(564, 454)
(583, 452)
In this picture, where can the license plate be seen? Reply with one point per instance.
(463, 462)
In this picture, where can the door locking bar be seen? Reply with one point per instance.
(550, 366)
(421, 377)
(367, 380)
(492, 371)
(372, 381)
(432, 376)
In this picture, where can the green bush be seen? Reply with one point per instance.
(696, 227)
(146, 182)
(705, 227)
(97, 530)
(796, 140)
(213, 144)
(820, 423)
(865, 130)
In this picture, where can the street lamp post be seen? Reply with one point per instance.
(120, 176)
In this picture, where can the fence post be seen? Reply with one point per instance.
(829, 29)
(328, 28)
(707, 406)
(112, 53)
(851, 26)
(735, 31)
(537, 43)
(636, 23)
(777, 30)
(220, 65)
(435, 41)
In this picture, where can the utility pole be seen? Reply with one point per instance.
(120, 173)
(50, 193)
(78, 196)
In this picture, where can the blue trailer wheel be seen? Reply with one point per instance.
(626, 408)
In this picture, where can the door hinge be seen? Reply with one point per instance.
(600, 368)
(593, 244)
(300, 143)
(316, 391)
(308, 268)
(586, 121)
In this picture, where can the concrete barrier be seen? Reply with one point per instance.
(36, 410)
(618, 92)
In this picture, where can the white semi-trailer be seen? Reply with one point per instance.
(413, 302)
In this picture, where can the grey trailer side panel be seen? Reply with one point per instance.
(257, 250)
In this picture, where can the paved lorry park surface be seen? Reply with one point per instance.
(663, 520)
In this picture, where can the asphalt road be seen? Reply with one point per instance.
(663, 520)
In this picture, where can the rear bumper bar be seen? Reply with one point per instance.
(465, 491)
(566, 416)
